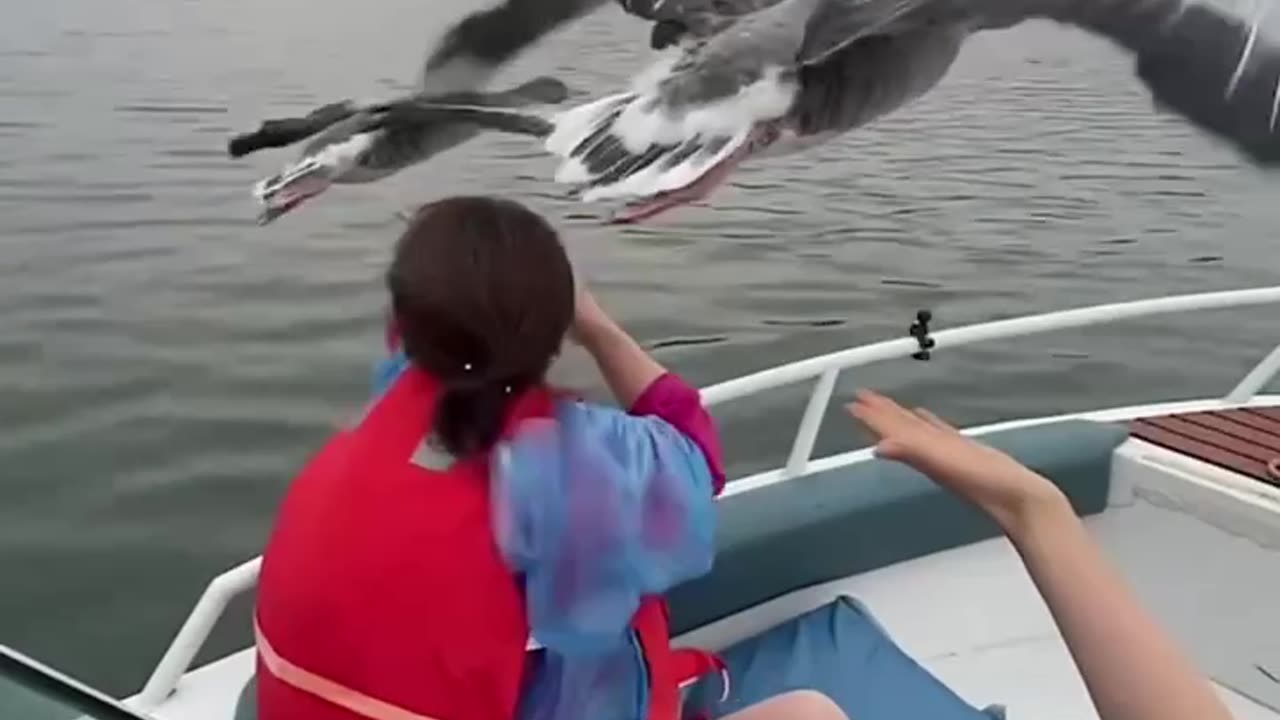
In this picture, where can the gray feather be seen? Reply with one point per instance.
(281, 132)
(539, 91)
(694, 12)
(872, 77)
(1211, 83)
(1214, 69)
(475, 47)
(837, 23)
(1217, 71)
(415, 117)
(723, 64)
(411, 129)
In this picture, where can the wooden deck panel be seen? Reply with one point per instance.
(1248, 419)
(1273, 413)
(1246, 441)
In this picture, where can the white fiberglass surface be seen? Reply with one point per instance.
(972, 616)
(1201, 550)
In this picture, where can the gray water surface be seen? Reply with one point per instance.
(166, 365)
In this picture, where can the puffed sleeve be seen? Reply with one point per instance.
(597, 508)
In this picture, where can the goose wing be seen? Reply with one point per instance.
(478, 45)
(689, 112)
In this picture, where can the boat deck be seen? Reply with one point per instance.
(1246, 441)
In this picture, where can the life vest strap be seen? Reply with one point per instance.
(325, 689)
(670, 669)
(691, 664)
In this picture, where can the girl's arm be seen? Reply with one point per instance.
(1130, 665)
(643, 386)
(626, 367)
(1132, 668)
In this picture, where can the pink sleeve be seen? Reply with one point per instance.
(674, 400)
(391, 332)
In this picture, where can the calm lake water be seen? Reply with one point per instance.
(166, 365)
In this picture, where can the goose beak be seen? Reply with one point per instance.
(298, 183)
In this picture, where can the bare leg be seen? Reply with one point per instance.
(794, 705)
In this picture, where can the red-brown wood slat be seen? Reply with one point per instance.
(1244, 440)
(1245, 433)
(1270, 413)
(1221, 440)
(1252, 419)
(1145, 430)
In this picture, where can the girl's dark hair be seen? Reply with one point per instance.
(483, 294)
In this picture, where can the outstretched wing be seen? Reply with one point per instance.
(417, 116)
(676, 20)
(488, 110)
(1218, 69)
(478, 45)
(836, 24)
(281, 132)
(873, 77)
(694, 12)
(687, 114)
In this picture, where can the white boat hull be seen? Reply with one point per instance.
(1199, 543)
(1201, 546)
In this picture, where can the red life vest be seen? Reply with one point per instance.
(383, 593)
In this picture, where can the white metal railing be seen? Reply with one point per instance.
(177, 659)
(826, 368)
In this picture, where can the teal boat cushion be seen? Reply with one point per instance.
(840, 651)
(825, 526)
(247, 702)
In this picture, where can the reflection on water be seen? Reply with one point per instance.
(166, 364)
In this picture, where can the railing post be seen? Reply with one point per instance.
(1258, 377)
(191, 637)
(807, 435)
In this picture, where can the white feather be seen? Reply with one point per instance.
(1246, 53)
(647, 81)
(644, 122)
(656, 178)
(337, 158)
(344, 155)
(573, 172)
(574, 125)
(1275, 107)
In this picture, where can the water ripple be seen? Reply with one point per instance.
(171, 109)
(161, 348)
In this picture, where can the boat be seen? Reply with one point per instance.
(1183, 495)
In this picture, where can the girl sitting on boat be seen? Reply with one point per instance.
(479, 546)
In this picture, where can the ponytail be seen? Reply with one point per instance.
(482, 295)
(470, 417)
